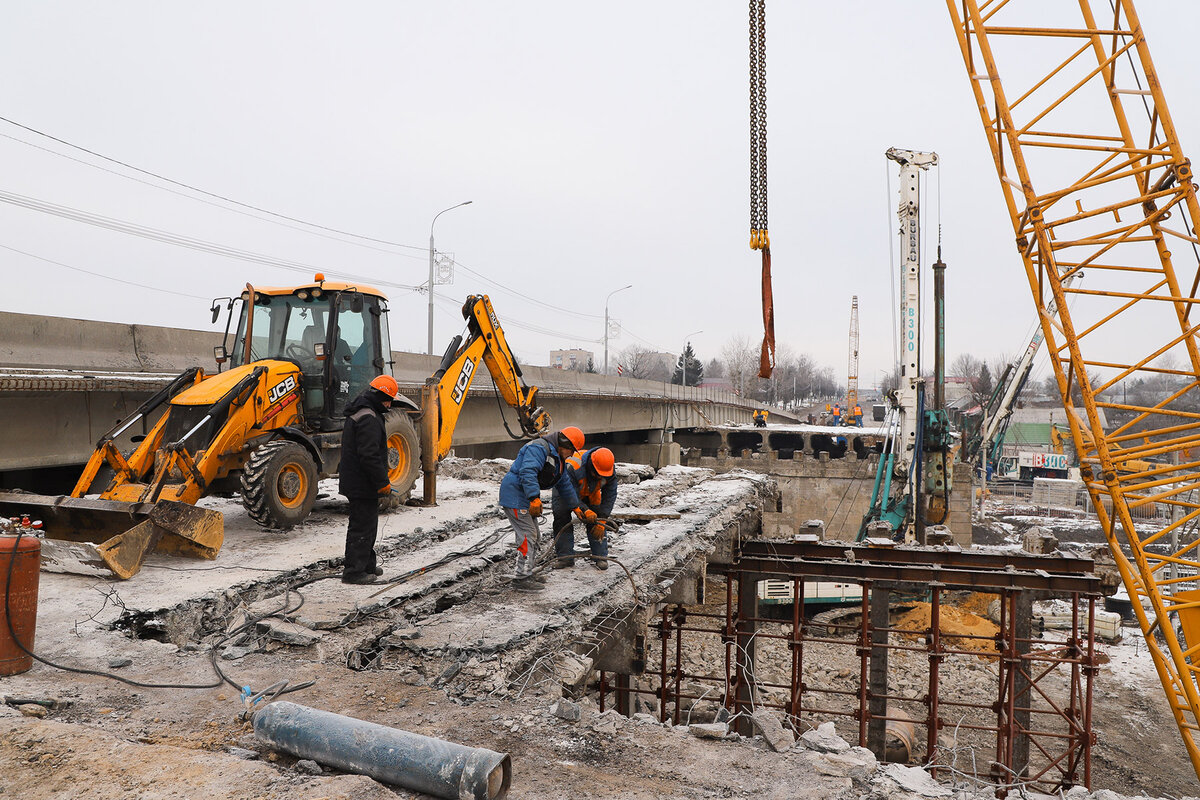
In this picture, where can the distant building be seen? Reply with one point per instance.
(571, 359)
(956, 387)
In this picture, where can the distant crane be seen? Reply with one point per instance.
(853, 415)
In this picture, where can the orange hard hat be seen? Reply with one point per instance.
(571, 437)
(386, 384)
(603, 461)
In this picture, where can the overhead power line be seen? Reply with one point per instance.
(276, 215)
(102, 275)
(256, 216)
(205, 192)
(167, 237)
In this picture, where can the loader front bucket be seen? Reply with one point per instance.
(102, 537)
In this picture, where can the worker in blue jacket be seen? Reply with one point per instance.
(540, 464)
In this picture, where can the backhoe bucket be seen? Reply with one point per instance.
(102, 537)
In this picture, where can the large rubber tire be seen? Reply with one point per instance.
(404, 456)
(279, 484)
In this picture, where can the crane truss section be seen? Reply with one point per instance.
(1094, 178)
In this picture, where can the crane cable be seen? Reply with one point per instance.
(759, 239)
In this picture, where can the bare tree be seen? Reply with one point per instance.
(741, 365)
(638, 362)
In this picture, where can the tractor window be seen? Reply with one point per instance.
(260, 345)
(353, 344)
(284, 327)
(385, 342)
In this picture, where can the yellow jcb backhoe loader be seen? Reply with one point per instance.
(268, 427)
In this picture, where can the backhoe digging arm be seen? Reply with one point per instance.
(445, 391)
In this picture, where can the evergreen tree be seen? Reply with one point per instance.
(985, 382)
(591, 366)
(695, 369)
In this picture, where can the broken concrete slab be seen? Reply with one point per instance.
(824, 739)
(565, 709)
(573, 671)
(768, 723)
(289, 632)
(708, 730)
(858, 764)
(915, 780)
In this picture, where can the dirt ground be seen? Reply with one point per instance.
(1138, 747)
(96, 738)
(88, 736)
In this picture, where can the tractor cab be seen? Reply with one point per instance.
(334, 332)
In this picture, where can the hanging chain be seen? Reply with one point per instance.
(758, 125)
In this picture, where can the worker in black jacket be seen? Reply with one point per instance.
(363, 476)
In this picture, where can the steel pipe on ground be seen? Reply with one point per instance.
(389, 755)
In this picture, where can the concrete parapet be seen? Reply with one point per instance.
(837, 491)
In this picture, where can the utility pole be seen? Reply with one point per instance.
(684, 357)
(610, 294)
(429, 349)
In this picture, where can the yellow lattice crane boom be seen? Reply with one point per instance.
(1094, 178)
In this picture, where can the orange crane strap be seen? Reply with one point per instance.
(766, 359)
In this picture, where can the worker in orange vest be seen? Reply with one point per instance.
(592, 476)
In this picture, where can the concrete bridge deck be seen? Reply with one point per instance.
(64, 382)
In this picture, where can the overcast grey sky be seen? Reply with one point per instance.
(601, 145)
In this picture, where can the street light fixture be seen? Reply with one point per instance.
(429, 350)
(610, 294)
(687, 343)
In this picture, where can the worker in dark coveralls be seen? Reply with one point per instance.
(593, 474)
(541, 464)
(363, 476)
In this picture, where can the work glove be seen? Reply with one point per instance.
(535, 507)
(385, 490)
(597, 530)
(586, 515)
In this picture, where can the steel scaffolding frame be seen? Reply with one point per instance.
(1038, 740)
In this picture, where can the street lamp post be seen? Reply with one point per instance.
(687, 344)
(429, 350)
(610, 294)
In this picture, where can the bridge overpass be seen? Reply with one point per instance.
(64, 382)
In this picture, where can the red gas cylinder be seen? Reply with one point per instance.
(23, 557)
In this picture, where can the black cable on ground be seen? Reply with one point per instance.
(473, 550)
(222, 678)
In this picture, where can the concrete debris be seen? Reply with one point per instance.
(308, 767)
(767, 723)
(242, 753)
(824, 739)
(118, 663)
(858, 764)
(573, 671)
(565, 709)
(608, 723)
(234, 653)
(289, 632)
(915, 780)
(1039, 541)
(709, 730)
(33, 710)
(405, 634)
